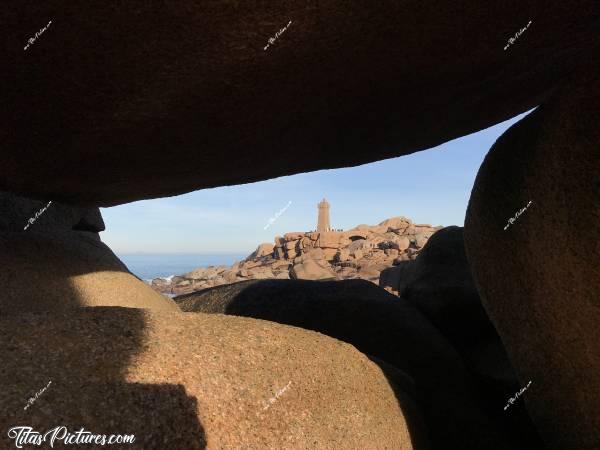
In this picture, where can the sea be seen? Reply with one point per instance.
(150, 266)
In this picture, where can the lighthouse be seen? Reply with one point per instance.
(323, 223)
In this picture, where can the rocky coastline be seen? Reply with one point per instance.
(362, 252)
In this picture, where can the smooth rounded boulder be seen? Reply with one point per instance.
(439, 283)
(310, 269)
(379, 324)
(531, 234)
(53, 258)
(59, 270)
(196, 381)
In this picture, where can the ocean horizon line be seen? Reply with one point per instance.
(158, 265)
(181, 253)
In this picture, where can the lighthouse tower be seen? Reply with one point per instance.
(323, 223)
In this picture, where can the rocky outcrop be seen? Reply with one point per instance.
(46, 272)
(379, 324)
(539, 278)
(262, 250)
(60, 262)
(362, 252)
(134, 105)
(196, 381)
(311, 270)
(394, 279)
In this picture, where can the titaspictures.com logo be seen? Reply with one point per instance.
(24, 435)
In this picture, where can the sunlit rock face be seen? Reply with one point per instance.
(53, 259)
(107, 96)
(198, 382)
(538, 278)
(361, 252)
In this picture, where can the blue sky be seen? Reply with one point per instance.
(432, 186)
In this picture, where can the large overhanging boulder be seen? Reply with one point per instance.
(115, 102)
(531, 235)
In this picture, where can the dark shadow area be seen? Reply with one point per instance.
(356, 238)
(86, 355)
(379, 324)
(515, 417)
(406, 395)
(440, 285)
(46, 216)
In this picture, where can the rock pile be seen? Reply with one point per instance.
(362, 252)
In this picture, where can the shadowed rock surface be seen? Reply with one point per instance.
(195, 381)
(543, 295)
(17, 211)
(440, 285)
(378, 324)
(106, 94)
